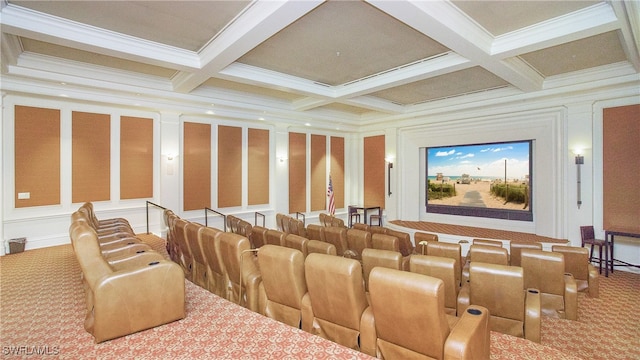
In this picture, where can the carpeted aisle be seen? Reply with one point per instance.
(42, 311)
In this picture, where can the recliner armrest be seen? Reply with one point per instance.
(532, 315)
(593, 280)
(570, 297)
(307, 313)
(463, 298)
(470, 338)
(134, 260)
(368, 334)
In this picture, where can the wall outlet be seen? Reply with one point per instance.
(24, 196)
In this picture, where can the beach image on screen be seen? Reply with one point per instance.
(493, 176)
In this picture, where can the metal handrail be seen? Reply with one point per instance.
(304, 219)
(255, 221)
(156, 205)
(206, 221)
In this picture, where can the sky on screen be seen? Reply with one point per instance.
(484, 161)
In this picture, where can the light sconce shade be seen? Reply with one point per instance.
(282, 158)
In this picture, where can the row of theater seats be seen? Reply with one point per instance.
(273, 273)
(516, 288)
(516, 312)
(128, 286)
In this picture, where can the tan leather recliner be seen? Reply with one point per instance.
(232, 223)
(357, 241)
(361, 226)
(244, 228)
(375, 257)
(420, 239)
(104, 227)
(406, 246)
(315, 232)
(444, 269)
(576, 263)
(515, 248)
(385, 242)
(337, 236)
(296, 227)
(337, 307)
(448, 250)
(279, 221)
(209, 240)
(283, 284)
(257, 236)
(544, 270)
(199, 264)
(186, 259)
(107, 238)
(321, 247)
(172, 248)
(104, 222)
(487, 242)
(243, 274)
(274, 237)
(489, 254)
(297, 242)
(121, 301)
(500, 288)
(411, 322)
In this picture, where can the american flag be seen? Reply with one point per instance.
(332, 200)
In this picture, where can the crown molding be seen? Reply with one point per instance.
(44, 27)
(593, 20)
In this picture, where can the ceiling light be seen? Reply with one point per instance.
(307, 124)
(210, 112)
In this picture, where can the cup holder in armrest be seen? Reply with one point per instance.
(474, 311)
(130, 243)
(533, 291)
(140, 251)
(154, 263)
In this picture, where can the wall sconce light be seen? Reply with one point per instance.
(579, 161)
(282, 158)
(170, 158)
(389, 167)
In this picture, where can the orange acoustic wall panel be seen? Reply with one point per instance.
(337, 170)
(621, 168)
(318, 172)
(37, 156)
(136, 157)
(197, 166)
(258, 166)
(91, 157)
(229, 166)
(297, 172)
(374, 171)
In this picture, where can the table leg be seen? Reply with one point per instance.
(606, 256)
(611, 249)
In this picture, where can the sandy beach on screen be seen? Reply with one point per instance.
(483, 188)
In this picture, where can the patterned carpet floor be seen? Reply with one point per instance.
(42, 308)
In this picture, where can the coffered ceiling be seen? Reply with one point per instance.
(359, 59)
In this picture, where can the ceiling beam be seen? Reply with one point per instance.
(260, 21)
(445, 23)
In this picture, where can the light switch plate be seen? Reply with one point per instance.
(24, 195)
